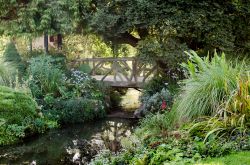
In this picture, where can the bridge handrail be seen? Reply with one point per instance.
(106, 59)
(127, 69)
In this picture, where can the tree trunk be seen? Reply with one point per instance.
(46, 43)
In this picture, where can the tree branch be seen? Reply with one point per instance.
(125, 38)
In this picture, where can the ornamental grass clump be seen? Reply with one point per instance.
(232, 119)
(210, 82)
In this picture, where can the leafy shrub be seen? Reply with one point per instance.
(7, 74)
(18, 116)
(208, 84)
(46, 76)
(81, 99)
(159, 101)
(85, 86)
(155, 126)
(156, 84)
(85, 68)
(77, 110)
(183, 149)
(157, 95)
(12, 56)
(167, 53)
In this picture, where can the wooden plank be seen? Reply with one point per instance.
(106, 74)
(107, 59)
(150, 72)
(135, 75)
(96, 67)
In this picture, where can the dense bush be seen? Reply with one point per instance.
(46, 76)
(159, 101)
(82, 98)
(66, 98)
(157, 95)
(167, 53)
(12, 56)
(76, 110)
(19, 116)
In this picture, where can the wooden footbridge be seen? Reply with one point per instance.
(119, 72)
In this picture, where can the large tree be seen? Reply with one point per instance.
(38, 16)
(221, 24)
(203, 24)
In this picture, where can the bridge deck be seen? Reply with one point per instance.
(110, 80)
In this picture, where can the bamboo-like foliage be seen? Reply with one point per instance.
(233, 116)
(209, 83)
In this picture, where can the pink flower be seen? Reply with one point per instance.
(163, 105)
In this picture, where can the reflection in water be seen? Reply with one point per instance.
(50, 148)
(113, 133)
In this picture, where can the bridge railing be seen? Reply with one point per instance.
(126, 70)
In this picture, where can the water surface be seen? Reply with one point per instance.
(49, 148)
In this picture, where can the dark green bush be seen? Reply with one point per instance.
(85, 68)
(12, 56)
(167, 53)
(19, 115)
(160, 101)
(80, 98)
(76, 110)
(157, 95)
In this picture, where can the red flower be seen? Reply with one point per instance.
(163, 105)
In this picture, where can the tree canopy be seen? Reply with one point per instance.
(204, 24)
(38, 16)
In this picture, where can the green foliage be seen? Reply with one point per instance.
(208, 84)
(232, 118)
(232, 159)
(46, 76)
(24, 106)
(157, 95)
(7, 74)
(155, 126)
(80, 99)
(85, 68)
(159, 101)
(174, 149)
(19, 116)
(200, 25)
(157, 83)
(85, 46)
(39, 16)
(167, 53)
(76, 110)
(12, 56)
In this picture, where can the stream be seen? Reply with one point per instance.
(53, 146)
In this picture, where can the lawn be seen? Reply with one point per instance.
(241, 158)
